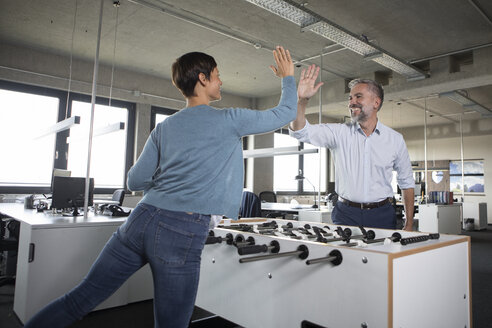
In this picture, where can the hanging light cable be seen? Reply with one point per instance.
(71, 61)
(67, 122)
(425, 152)
(118, 125)
(116, 4)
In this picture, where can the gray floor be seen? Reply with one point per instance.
(136, 315)
(141, 314)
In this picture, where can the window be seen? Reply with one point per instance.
(27, 111)
(159, 114)
(108, 150)
(313, 168)
(473, 177)
(24, 117)
(159, 118)
(286, 167)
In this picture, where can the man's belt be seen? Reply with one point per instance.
(365, 206)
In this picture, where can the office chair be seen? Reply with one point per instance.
(8, 244)
(250, 205)
(268, 196)
(119, 195)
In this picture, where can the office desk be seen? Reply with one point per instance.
(99, 202)
(305, 212)
(284, 207)
(56, 252)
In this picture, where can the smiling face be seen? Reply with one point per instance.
(213, 85)
(363, 104)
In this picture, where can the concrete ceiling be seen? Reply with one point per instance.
(152, 33)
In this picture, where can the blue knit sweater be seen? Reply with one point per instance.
(193, 161)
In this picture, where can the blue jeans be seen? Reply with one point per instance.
(381, 217)
(171, 242)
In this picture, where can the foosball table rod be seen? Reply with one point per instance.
(302, 252)
(335, 257)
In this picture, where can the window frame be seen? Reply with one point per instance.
(467, 174)
(300, 183)
(130, 135)
(61, 145)
(154, 110)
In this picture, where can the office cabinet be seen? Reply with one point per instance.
(312, 215)
(477, 212)
(440, 218)
(54, 255)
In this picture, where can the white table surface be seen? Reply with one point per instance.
(46, 218)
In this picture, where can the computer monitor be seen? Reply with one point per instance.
(330, 187)
(69, 192)
(59, 173)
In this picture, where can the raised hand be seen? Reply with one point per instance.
(285, 66)
(307, 88)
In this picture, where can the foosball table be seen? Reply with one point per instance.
(282, 273)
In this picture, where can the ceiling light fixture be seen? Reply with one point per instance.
(467, 103)
(67, 122)
(279, 151)
(103, 130)
(309, 20)
(116, 4)
(60, 126)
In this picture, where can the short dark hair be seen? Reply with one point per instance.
(374, 87)
(185, 71)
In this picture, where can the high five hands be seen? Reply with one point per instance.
(307, 83)
(285, 66)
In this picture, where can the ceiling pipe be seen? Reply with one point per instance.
(83, 83)
(455, 52)
(481, 11)
(218, 28)
(323, 54)
(424, 108)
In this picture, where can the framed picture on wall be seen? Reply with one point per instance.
(473, 181)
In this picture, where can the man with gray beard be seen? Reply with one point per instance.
(365, 152)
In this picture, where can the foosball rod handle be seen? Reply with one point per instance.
(249, 241)
(213, 240)
(255, 249)
(416, 239)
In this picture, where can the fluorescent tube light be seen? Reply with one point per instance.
(270, 152)
(110, 128)
(61, 126)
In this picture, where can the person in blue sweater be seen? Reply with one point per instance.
(191, 172)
